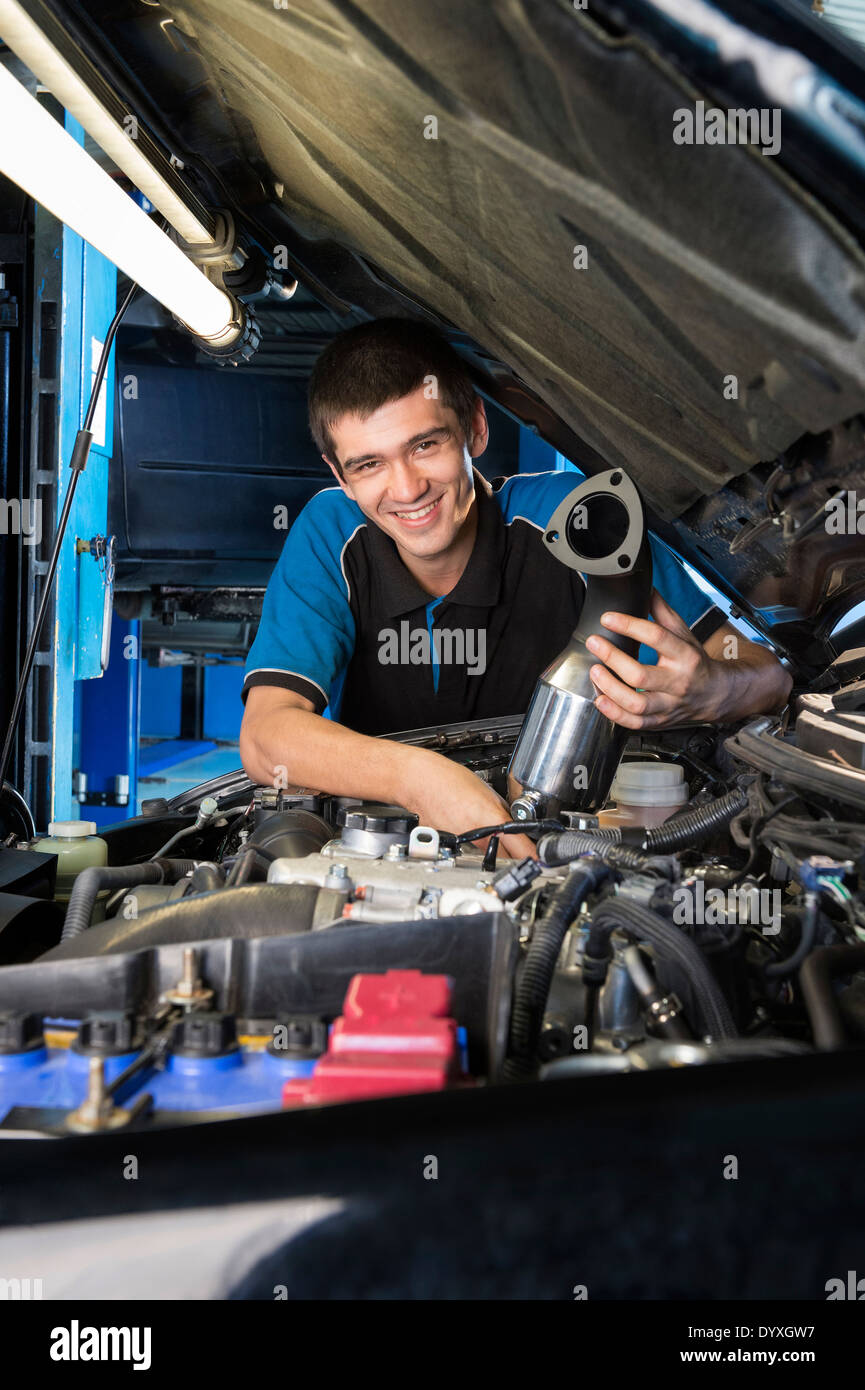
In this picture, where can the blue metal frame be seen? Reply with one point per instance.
(88, 302)
(108, 720)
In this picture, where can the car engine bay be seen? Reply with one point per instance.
(249, 948)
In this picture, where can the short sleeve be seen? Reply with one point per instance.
(307, 632)
(686, 598)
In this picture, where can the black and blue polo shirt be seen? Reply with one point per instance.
(347, 625)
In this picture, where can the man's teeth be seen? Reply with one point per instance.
(422, 511)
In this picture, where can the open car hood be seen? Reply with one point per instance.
(453, 159)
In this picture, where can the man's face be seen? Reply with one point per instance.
(408, 468)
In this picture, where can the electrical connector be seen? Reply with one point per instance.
(513, 881)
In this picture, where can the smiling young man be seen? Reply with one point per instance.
(415, 593)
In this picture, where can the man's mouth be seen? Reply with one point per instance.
(419, 516)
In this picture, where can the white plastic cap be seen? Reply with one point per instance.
(649, 784)
(71, 829)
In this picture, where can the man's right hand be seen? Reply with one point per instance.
(448, 796)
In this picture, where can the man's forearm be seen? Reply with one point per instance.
(294, 747)
(755, 683)
(286, 746)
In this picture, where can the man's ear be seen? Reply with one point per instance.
(480, 430)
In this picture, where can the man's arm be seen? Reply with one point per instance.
(725, 679)
(283, 741)
(757, 683)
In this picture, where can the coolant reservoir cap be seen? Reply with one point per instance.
(649, 784)
(71, 829)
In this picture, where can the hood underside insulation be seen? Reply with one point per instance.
(466, 150)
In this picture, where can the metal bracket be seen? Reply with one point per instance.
(575, 515)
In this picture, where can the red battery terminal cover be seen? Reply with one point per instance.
(395, 1035)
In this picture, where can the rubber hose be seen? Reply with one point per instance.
(807, 933)
(678, 833)
(206, 878)
(642, 924)
(172, 869)
(246, 857)
(533, 990)
(175, 869)
(93, 881)
(558, 849)
(674, 1028)
(681, 832)
(561, 847)
(815, 977)
(258, 909)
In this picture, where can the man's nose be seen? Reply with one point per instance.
(406, 483)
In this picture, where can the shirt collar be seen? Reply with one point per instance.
(479, 584)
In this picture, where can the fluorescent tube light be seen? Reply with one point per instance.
(44, 159)
(37, 51)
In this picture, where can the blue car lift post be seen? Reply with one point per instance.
(81, 715)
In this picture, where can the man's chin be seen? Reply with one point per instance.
(421, 547)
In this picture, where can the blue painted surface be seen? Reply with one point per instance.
(160, 701)
(244, 1080)
(88, 302)
(156, 757)
(223, 709)
(174, 765)
(107, 719)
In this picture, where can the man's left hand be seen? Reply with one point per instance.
(688, 684)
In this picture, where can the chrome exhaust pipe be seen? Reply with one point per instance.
(567, 752)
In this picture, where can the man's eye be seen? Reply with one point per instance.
(427, 444)
(361, 468)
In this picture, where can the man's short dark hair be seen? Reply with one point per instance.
(368, 366)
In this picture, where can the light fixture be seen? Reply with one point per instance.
(38, 154)
(70, 76)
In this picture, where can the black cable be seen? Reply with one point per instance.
(508, 827)
(492, 850)
(820, 833)
(77, 463)
(757, 826)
